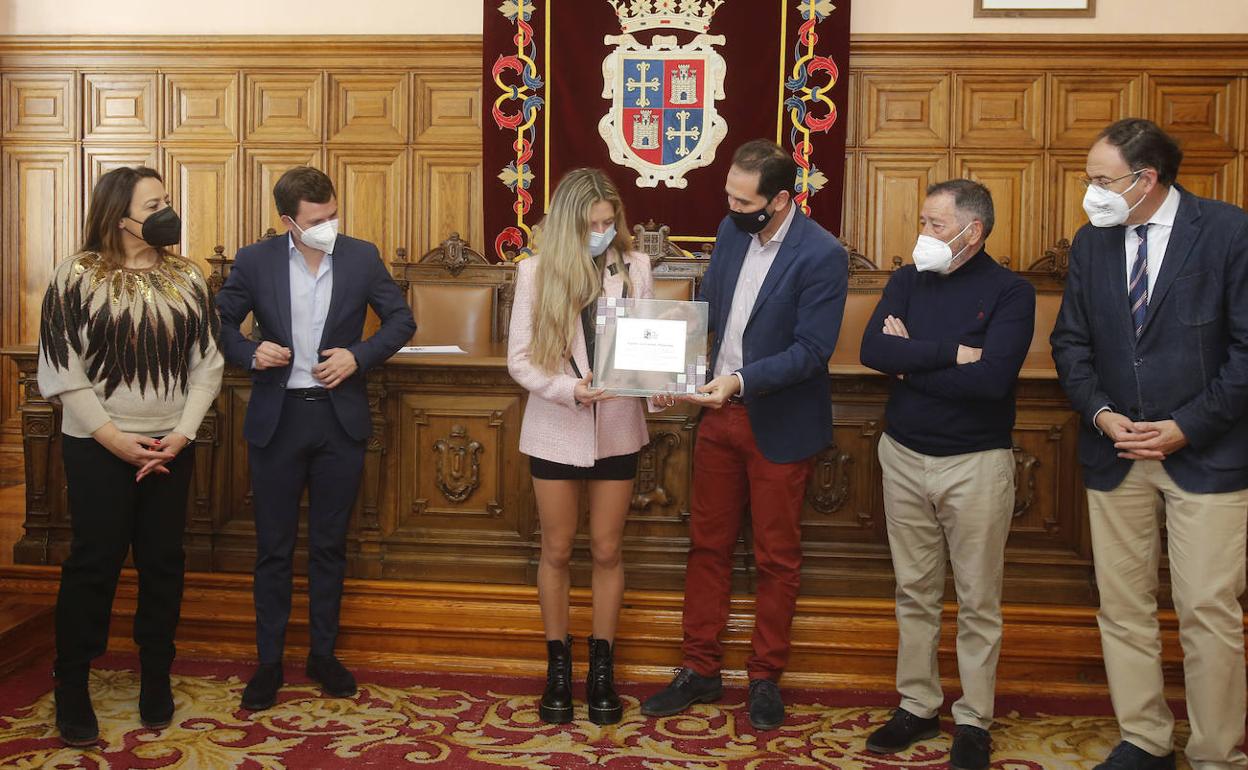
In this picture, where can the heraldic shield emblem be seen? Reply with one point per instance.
(662, 122)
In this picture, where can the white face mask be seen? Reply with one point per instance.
(1106, 208)
(320, 237)
(598, 242)
(933, 254)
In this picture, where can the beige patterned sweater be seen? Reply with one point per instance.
(137, 347)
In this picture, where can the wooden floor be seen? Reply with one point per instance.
(12, 511)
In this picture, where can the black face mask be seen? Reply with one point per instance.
(164, 228)
(752, 222)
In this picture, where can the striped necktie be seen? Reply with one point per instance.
(1137, 288)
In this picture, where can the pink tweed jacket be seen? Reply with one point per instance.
(556, 427)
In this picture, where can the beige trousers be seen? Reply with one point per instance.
(955, 509)
(1206, 536)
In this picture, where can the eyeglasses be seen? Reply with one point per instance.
(1100, 182)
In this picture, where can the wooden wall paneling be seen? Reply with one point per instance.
(284, 107)
(39, 226)
(896, 184)
(372, 195)
(1064, 202)
(203, 184)
(850, 111)
(1015, 182)
(120, 106)
(999, 110)
(851, 227)
(1080, 105)
(1211, 176)
(447, 197)
(1201, 112)
(39, 106)
(262, 167)
(99, 159)
(368, 107)
(201, 106)
(904, 109)
(446, 109)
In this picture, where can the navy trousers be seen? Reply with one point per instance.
(309, 450)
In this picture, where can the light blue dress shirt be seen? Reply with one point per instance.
(309, 305)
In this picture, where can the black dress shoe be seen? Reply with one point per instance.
(261, 692)
(972, 747)
(1128, 756)
(766, 707)
(901, 732)
(155, 700)
(687, 688)
(336, 681)
(75, 717)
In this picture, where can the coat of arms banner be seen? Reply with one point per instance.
(659, 93)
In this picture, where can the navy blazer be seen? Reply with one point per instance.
(789, 337)
(259, 283)
(1190, 363)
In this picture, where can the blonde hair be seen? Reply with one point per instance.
(568, 279)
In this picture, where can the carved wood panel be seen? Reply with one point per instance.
(39, 226)
(1211, 176)
(262, 167)
(368, 107)
(1013, 181)
(1065, 213)
(203, 184)
(999, 110)
(201, 106)
(283, 106)
(99, 159)
(1202, 112)
(902, 180)
(120, 106)
(372, 195)
(1080, 105)
(463, 494)
(39, 105)
(446, 111)
(904, 110)
(447, 197)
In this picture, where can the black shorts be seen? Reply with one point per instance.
(618, 468)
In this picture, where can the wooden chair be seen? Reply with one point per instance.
(457, 295)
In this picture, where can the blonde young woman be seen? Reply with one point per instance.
(573, 433)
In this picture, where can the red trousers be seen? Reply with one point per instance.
(730, 472)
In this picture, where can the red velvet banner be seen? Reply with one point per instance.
(659, 93)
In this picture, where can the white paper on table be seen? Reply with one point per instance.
(432, 349)
(650, 345)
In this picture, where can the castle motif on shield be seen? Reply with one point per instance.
(662, 122)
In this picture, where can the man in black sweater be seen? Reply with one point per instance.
(953, 330)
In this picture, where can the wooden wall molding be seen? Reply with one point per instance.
(493, 629)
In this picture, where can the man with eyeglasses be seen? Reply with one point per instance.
(1151, 347)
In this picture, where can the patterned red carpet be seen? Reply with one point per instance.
(448, 721)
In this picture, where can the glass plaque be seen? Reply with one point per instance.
(648, 346)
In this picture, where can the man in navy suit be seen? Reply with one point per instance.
(776, 287)
(307, 418)
(1151, 346)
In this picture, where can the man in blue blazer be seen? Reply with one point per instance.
(307, 417)
(1151, 346)
(776, 288)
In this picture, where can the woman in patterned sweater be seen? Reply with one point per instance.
(128, 344)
